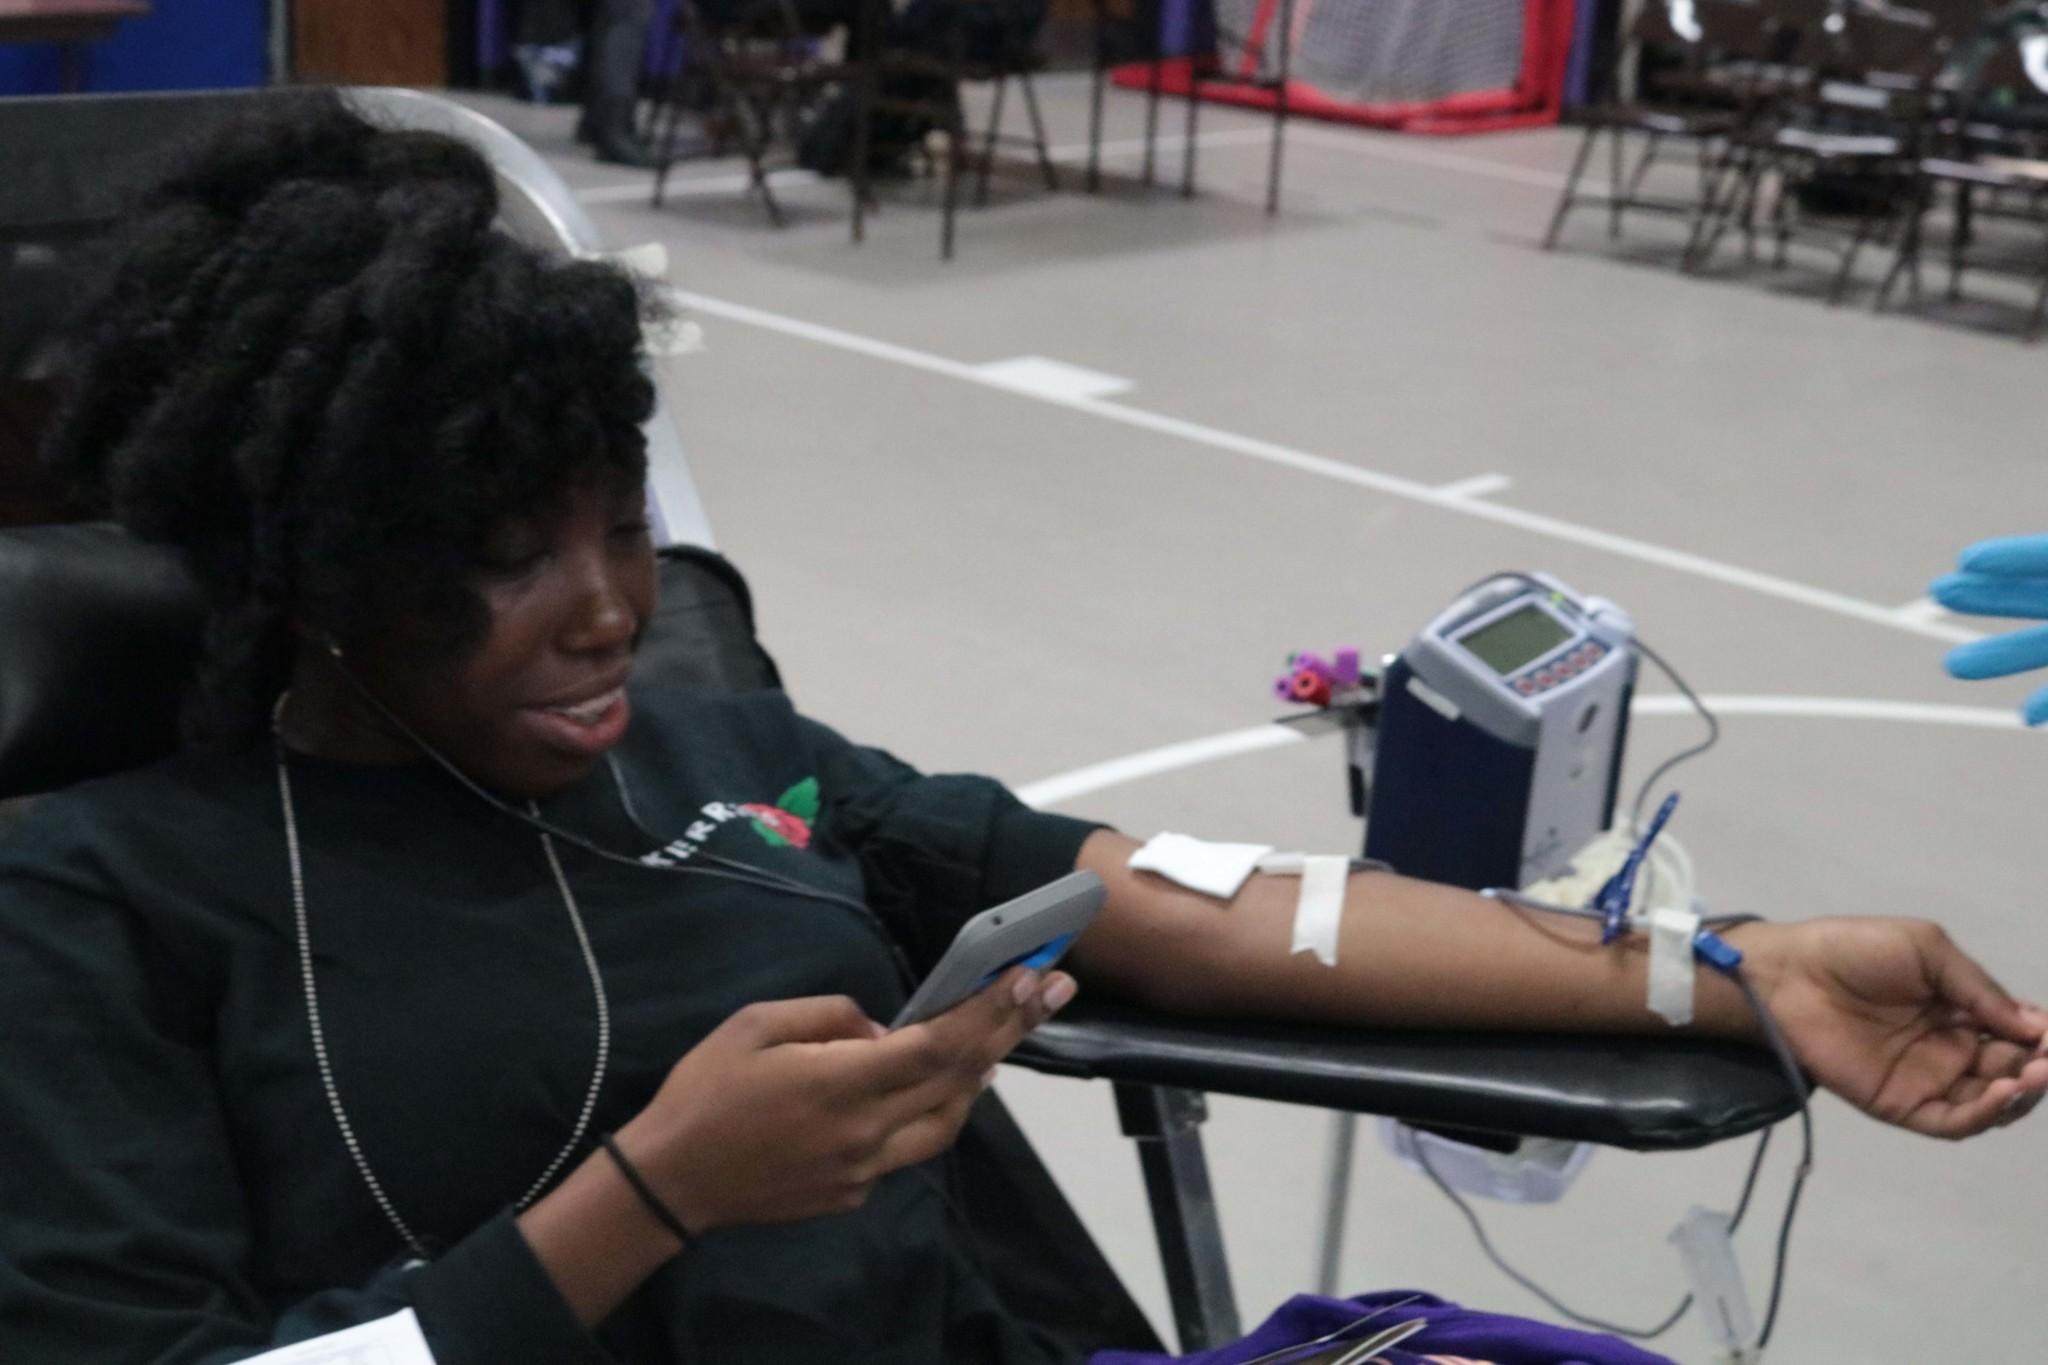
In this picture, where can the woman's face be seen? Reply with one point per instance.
(531, 708)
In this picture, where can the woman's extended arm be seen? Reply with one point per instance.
(1888, 1013)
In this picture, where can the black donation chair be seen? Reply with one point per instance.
(101, 632)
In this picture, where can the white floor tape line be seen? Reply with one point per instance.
(1063, 787)
(1287, 457)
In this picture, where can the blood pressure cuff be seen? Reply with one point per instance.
(102, 633)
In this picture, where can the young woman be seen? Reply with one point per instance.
(448, 971)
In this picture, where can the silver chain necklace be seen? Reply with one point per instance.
(327, 1081)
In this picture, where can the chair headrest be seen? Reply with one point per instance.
(102, 632)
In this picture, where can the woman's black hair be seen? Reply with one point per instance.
(317, 368)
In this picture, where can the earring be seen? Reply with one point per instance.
(333, 647)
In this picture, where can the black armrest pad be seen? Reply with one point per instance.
(1642, 1093)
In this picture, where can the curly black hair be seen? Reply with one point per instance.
(315, 367)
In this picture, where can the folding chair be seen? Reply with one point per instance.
(1848, 134)
(916, 72)
(1696, 104)
(1140, 33)
(1992, 158)
(761, 64)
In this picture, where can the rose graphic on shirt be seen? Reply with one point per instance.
(787, 823)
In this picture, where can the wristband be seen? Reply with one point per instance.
(662, 1213)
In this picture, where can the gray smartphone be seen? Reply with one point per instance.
(1035, 930)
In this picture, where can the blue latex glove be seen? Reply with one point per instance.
(2003, 577)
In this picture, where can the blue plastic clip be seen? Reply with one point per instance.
(1613, 898)
(1717, 952)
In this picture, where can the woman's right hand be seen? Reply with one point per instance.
(792, 1109)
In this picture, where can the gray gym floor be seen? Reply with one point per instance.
(1277, 451)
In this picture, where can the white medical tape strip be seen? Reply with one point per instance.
(1199, 865)
(1672, 971)
(1319, 912)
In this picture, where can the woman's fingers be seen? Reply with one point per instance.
(925, 1135)
(1997, 1058)
(1973, 1104)
(964, 1044)
(1968, 986)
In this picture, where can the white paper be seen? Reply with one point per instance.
(1319, 912)
(1212, 869)
(395, 1340)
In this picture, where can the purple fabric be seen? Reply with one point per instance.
(1452, 1331)
(1578, 78)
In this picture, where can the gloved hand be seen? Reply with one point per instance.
(2003, 577)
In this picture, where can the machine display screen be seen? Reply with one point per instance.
(1516, 639)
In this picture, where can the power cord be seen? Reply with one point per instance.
(1557, 1305)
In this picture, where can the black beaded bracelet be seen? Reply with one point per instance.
(662, 1213)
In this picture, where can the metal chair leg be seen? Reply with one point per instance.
(1190, 123)
(1717, 213)
(2033, 332)
(1781, 224)
(1152, 107)
(1958, 242)
(988, 146)
(1635, 180)
(1166, 1123)
(1336, 1201)
(956, 155)
(1614, 187)
(1280, 108)
(1907, 255)
(1041, 143)
(1840, 288)
(1571, 186)
(754, 125)
(1095, 98)
(857, 173)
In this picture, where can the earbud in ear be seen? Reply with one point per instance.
(333, 647)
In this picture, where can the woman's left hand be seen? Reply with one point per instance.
(1893, 1017)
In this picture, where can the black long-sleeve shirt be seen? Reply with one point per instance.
(174, 1187)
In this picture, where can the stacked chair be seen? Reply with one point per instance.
(1989, 155)
(1833, 124)
(1837, 145)
(753, 71)
(759, 71)
(1716, 89)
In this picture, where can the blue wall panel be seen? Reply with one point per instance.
(181, 45)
